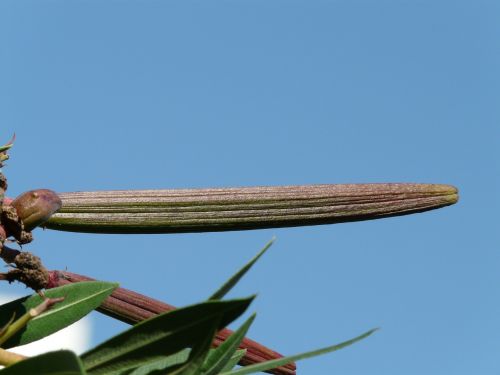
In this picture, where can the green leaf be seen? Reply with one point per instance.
(221, 356)
(196, 358)
(263, 366)
(62, 362)
(79, 300)
(5, 147)
(192, 363)
(8, 145)
(228, 285)
(163, 335)
(180, 358)
(235, 359)
(190, 366)
(162, 364)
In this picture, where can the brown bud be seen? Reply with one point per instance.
(35, 207)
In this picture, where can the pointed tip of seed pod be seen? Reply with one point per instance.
(413, 198)
(453, 197)
(448, 194)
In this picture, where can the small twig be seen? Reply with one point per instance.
(9, 358)
(27, 268)
(8, 255)
(20, 323)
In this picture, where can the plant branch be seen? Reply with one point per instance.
(20, 323)
(9, 358)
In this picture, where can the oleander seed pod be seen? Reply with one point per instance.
(35, 207)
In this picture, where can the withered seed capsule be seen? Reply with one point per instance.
(35, 207)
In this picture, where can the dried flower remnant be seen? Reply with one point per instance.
(3, 188)
(17, 219)
(3, 150)
(26, 268)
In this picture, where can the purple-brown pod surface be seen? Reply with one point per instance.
(35, 207)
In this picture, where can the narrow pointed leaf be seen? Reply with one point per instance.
(220, 357)
(279, 362)
(62, 362)
(162, 335)
(8, 145)
(196, 358)
(162, 363)
(79, 300)
(228, 285)
(131, 307)
(179, 358)
(189, 366)
(222, 209)
(5, 147)
(235, 358)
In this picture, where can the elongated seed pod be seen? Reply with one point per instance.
(35, 207)
(224, 209)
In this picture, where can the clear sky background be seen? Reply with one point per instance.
(172, 94)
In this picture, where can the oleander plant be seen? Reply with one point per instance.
(162, 339)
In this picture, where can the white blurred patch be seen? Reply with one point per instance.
(76, 337)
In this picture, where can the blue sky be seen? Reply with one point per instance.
(172, 94)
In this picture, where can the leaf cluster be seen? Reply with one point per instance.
(178, 342)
